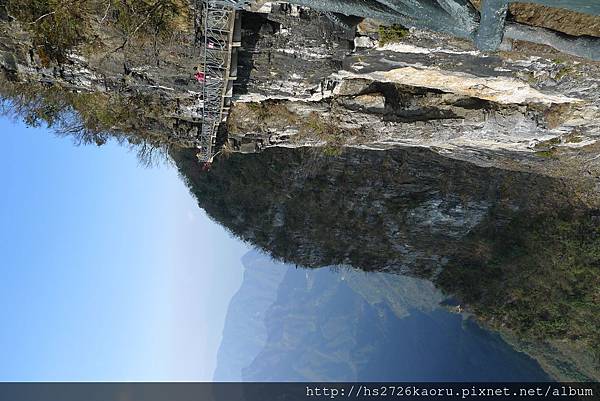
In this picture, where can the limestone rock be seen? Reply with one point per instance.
(365, 42)
(373, 102)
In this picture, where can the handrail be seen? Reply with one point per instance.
(219, 22)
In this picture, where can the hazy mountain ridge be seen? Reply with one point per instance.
(321, 328)
(245, 333)
(470, 229)
(421, 156)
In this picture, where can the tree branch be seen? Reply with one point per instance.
(157, 6)
(42, 17)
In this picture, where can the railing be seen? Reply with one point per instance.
(218, 23)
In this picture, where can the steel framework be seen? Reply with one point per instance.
(218, 22)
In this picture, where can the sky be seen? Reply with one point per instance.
(108, 270)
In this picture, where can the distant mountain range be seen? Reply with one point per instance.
(289, 324)
(245, 333)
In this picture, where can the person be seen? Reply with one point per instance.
(200, 76)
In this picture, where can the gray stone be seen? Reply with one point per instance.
(364, 42)
(373, 102)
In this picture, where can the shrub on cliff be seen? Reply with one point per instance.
(59, 26)
(391, 34)
(539, 279)
(89, 118)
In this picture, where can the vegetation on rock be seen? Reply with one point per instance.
(82, 68)
(391, 34)
(538, 277)
(89, 118)
(60, 26)
(530, 266)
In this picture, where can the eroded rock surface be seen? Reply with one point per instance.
(430, 90)
(499, 240)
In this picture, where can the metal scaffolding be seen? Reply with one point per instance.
(217, 60)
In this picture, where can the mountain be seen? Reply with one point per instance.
(499, 240)
(388, 148)
(347, 325)
(245, 332)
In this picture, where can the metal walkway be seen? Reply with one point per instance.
(221, 26)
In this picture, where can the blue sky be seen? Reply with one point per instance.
(109, 271)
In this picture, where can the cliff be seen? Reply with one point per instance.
(390, 141)
(519, 249)
(325, 77)
(103, 70)
(344, 324)
(356, 84)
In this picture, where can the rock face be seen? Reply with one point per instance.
(291, 52)
(421, 156)
(495, 238)
(372, 103)
(558, 19)
(414, 93)
(304, 64)
(411, 207)
(460, 19)
(150, 76)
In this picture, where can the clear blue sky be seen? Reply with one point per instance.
(109, 271)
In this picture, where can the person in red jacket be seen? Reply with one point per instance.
(200, 77)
